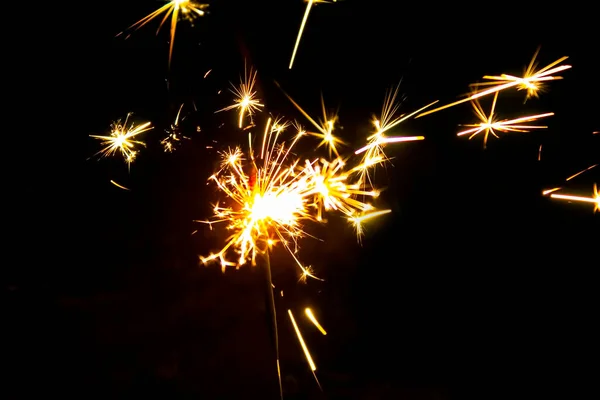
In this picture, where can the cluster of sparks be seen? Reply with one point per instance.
(176, 9)
(174, 136)
(532, 82)
(123, 140)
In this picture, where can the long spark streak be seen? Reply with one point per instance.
(311, 363)
(595, 199)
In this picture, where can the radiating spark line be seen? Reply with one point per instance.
(311, 363)
(314, 320)
(245, 101)
(595, 199)
(122, 140)
(531, 81)
(119, 186)
(207, 72)
(548, 191)
(540, 153)
(188, 9)
(302, 25)
(489, 125)
(581, 172)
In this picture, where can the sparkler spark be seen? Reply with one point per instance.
(119, 186)
(489, 125)
(325, 126)
(314, 320)
(174, 135)
(389, 119)
(532, 81)
(123, 140)
(595, 199)
(309, 4)
(245, 101)
(187, 9)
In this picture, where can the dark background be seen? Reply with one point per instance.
(476, 285)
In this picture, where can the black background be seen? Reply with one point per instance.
(476, 286)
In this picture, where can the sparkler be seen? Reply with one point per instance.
(489, 125)
(123, 140)
(245, 101)
(174, 135)
(532, 81)
(273, 196)
(187, 9)
(309, 4)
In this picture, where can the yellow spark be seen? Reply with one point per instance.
(532, 81)
(117, 185)
(489, 125)
(123, 139)
(187, 9)
(174, 135)
(595, 199)
(389, 119)
(309, 4)
(540, 153)
(548, 191)
(245, 101)
(314, 320)
(581, 172)
(325, 126)
(207, 72)
(311, 363)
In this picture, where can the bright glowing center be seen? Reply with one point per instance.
(281, 208)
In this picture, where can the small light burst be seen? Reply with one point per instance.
(532, 81)
(489, 125)
(174, 136)
(187, 9)
(245, 97)
(123, 139)
(389, 119)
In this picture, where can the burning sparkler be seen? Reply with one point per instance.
(489, 125)
(174, 135)
(272, 196)
(187, 9)
(245, 101)
(309, 4)
(532, 81)
(123, 140)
